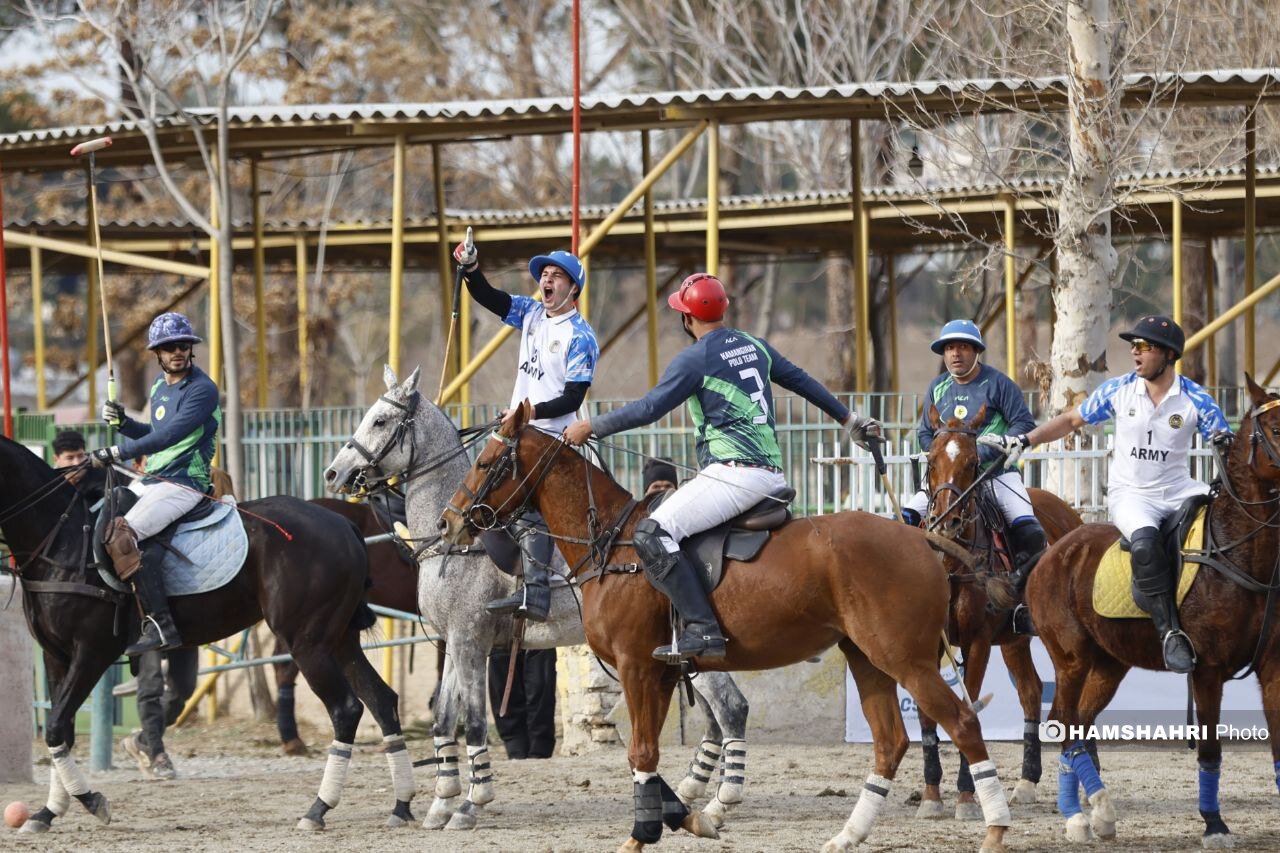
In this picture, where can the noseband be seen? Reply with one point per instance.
(363, 480)
(961, 498)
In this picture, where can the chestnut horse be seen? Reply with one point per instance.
(1228, 613)
(850, 579)
(952, 468)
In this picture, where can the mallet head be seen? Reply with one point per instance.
(91, 146)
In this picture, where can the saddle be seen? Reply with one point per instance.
(389, 508)
(204, 549)
(740, 538)
(1181, 532)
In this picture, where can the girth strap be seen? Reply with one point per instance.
(73, 588)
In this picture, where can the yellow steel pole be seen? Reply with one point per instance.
(444, 255)
(1231, 313)
(1177, 267)
(211, 697)
(215, 302)
(859, 254)
(864, 304)
(37, 313)
(300, 267)
(891, 273)
(259, 283)
(1250, 233)
(713, 199)
(584, 248)
(397, 275)
(1010, 287)
(650, 264)
(1211, 357)
(205, 688)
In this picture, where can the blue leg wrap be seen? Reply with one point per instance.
(1083, 765)
(1277, 767)
(1210, 775)
(1068, 790)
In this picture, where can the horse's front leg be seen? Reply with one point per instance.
(976, 657)
(1207, 684)
(444, 728)
(472, 681)
(1017, 657)
(647, 685)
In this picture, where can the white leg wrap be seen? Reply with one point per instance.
(734, 773)
(865, 811)
(335, 773)
(480, 790)
(447, 782)
(59, 800)
(986, 782)
(705, 760)
(73, 781)
(641, 777)
(402, 784)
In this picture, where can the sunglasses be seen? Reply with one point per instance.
(1139, 345)
(175, 346)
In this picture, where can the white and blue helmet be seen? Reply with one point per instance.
(965, 331)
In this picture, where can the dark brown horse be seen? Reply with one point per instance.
(952, 468)
(304, 574)
(394, 584)
(1225, 614)
(850, 579)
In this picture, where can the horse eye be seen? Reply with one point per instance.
(483, 466)
(379, 422)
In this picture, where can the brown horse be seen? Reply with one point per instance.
(952, 468)
(394, 584)
(1225, 614)
(850, 579)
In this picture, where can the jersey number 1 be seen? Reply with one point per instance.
(758, 396)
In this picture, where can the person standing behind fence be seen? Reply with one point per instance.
(69, 452)
(558, 355)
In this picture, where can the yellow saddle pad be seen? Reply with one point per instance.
(1112, 584)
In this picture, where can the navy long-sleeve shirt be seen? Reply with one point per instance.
(1007, 412)
(180, 440)
(725, 377)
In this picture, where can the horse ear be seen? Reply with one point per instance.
(935, 419)
(389, 377)
(1256, 391)
(412, 382)
(976, 422)
(524, 413)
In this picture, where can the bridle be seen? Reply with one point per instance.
(962, 502)
(479, 513)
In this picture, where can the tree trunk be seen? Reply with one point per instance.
(1087, 259)
(1228, 259)
(841, 297)
(1195, 283)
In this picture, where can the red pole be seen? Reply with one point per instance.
(577, 129)
(4, 326)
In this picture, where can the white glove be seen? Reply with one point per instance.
(861, 428)
(1010, 445)
(113, 413)
(465, 253)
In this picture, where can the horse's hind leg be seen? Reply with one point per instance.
(1083, 691)
(384, 704)
(1269, 678)
(976, 657)
(1017, 658)
(879, 698)
(1207, 684)
(472, 680)
(327, 681)
(725, 742)
(930, 807)
(444, 728)
(286, 721)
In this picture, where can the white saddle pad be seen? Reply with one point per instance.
(214, 549)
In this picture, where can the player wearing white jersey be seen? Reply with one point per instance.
(1157, 412)
(558, 355)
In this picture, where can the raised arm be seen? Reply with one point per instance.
(796, 380)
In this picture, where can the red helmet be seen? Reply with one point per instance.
(702, 296)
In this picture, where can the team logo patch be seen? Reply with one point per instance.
(555, 346)
(159, 413)
(1132, 413)
(1175, 421)
(961, 411)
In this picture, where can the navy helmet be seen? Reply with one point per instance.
(171, 327)
(964, 331)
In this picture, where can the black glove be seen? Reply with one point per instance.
(104, 457)
(1221, 441)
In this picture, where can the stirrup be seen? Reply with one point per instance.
(518, 604)
(1020, 621)
(152, 642)
(1170, 639)
(707, 647)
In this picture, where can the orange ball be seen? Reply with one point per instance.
(16, 814)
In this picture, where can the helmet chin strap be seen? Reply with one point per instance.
(967, 373)
(191, 359)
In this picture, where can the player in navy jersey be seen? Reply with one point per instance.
(1157, 412)
(558, 355)
(725, 378)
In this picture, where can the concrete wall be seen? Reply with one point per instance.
(18, 678)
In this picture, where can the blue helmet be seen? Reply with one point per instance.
(169, 327)
(959, 330)
(566, 261)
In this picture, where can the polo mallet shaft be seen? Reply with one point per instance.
(875, 444)
(90, 147)
(453, 320)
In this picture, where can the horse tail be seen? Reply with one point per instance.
(1000, 591)
(363, 618)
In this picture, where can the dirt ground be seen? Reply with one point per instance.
(235, 792)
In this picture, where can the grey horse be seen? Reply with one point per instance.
(403, 435)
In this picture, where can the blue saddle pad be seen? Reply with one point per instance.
(212, 549)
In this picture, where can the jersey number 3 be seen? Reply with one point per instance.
(758, 396)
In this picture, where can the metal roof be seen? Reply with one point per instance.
(260, 130)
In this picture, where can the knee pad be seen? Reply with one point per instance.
(1028, 537)
(910, 516)
(648, 538)
(1145, 551)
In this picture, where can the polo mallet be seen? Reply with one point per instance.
(90, 148)
(469, 243)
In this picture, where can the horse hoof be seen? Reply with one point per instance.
(1218, 841)
(716, 812)
(1024, 792)
(306, 824)
(395, 822)
(630, 846)
(437, 816)
(929, 810)
(34, 826)
(968, 811)
(294, 747)
(994, 840)
(839, 844)
(100, 808)
(699, 825)
(1078, 829)
(461, 820)
(1102, 820)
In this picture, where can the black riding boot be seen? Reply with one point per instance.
(1027, 542)
(533, 600)
(158, 631)
(675, 576)
(1154, 593)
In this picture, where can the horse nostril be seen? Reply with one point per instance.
(442, 525)
(329, 474)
